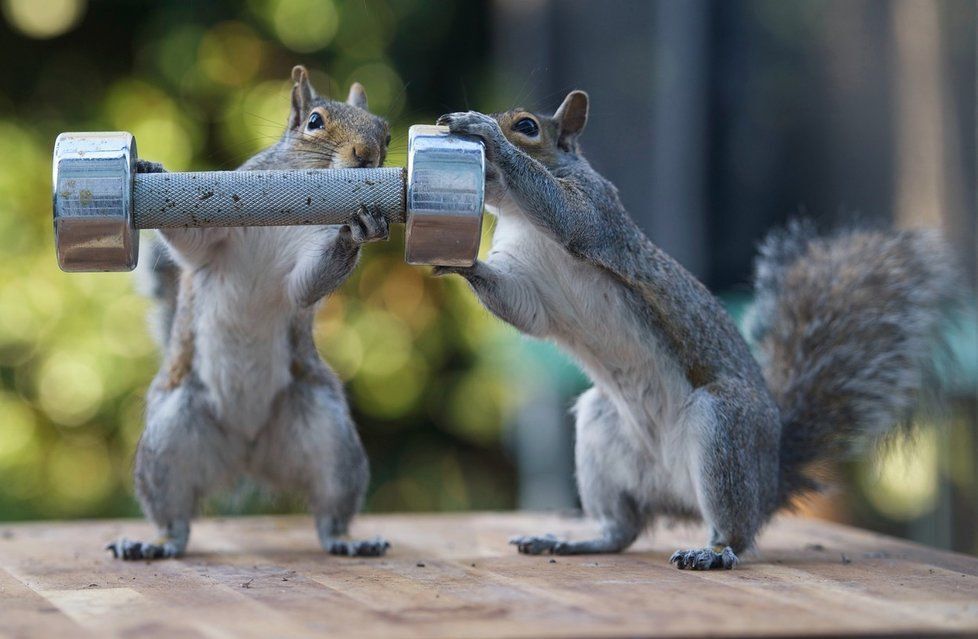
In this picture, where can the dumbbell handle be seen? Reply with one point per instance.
(100, 202)
(265, 198)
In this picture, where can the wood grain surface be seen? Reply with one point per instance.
(453, 575)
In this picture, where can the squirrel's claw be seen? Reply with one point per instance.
(375, 547)
(441, 271)
(704, 559)
(145, 166)
(472, 123)
(135, 550)
(537, 545)
(443, 120)
(369, 225)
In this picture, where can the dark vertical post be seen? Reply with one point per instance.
(677, 168)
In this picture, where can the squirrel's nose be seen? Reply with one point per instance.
(363, 156)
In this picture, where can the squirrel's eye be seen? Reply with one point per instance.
(527, 127)
(315, 122)
(387, 142)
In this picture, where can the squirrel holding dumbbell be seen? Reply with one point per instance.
(242, 389)
(682, 420)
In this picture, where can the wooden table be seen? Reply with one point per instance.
(453, 575)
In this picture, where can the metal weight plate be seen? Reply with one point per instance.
(93, 228)
(445, 197)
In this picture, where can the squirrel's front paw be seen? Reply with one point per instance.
(368, 225)
(474, 123)
(145, 166)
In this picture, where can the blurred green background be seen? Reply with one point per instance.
(717, 121)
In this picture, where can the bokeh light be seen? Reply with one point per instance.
(385, 93)
(230, 54)
(303, 26)
(367, 30)
(902, 482)
(17, 322)
(124, 329)
(255, 117)
(79, 473)
(477, 404)
(69, 390)
(163, 132)
(343, 346)
(43, 19)
(19, 429)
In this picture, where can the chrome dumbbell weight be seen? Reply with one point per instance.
(101, 203)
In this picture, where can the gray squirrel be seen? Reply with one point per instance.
(682, 420)
(242, 389)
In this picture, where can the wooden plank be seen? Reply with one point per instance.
(23, 611)
(453, 575)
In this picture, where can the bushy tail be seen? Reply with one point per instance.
(847, 328)
(158, 277)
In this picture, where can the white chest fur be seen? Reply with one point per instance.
(243, 316)
(588, 313)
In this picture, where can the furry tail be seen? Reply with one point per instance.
(847, 329)
(158, 277)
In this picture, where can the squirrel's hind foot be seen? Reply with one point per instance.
(537, 544)
(704, 559)
(375, 547)
(130, 550)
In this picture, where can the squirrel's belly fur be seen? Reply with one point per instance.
(242, 391)
(588, 312)
(242, 350)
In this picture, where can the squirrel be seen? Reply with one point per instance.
(682, 420)
(242, 389)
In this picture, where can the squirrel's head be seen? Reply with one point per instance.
(334, 134)
(548, 139)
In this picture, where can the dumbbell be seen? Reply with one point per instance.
(101, 202)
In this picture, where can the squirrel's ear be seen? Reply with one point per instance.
(358, 96)
(302, 95)
(571, 116)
